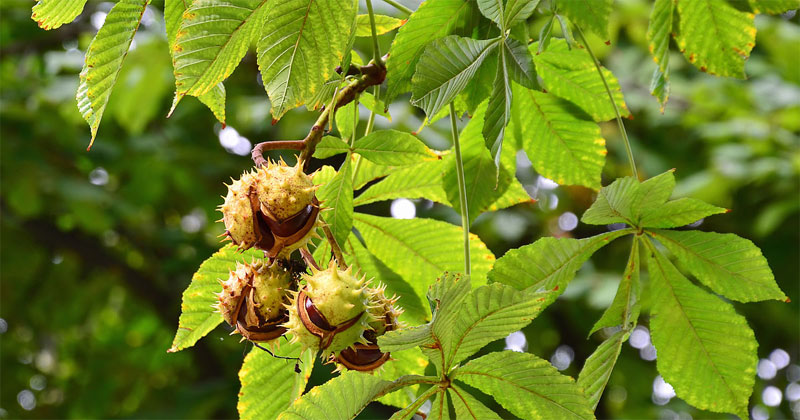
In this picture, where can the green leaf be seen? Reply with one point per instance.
(598, 367)
(444, 70)
(291, 61)
(198, 317)
(214, 99)
(773, 7)
(346, 119)
(561, 146)
(418, 181)
(624, 310)
(549, 262)
(446, 294)
(409, 362)
(680, 212)
(369, 172)
(406, 338)
(498, 111)
(377, 106)
(588, 14)
(489, 313)
(213, 37)
(715, 36)
(440, 406)
(407, 413)
(104, 60)
(658, 33)
(517, 11)
(614, 203)
(383, 24)
(728, 264)
(695, 331)
(526, 385)
(652, 193)
(342, 397)
(519, 63)
(261, 371)
(414, 309)
(571, 74)
(483, 185)
(51, 14)
(330, 146)
(433, 20)
(392, 147)
(434, 246)
(337, 195)
(468, 407)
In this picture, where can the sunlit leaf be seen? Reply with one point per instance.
(337, 195)
(51, 14)
(677, 213)
(292, 64)
(392, 147)
(598, 367)
(198, 317)
(614, 204)
(383, 24)
(588, 14)
(468, 407)
(261, 370)
(104, 60)
(715, 36)
(624, 310)
(695, 331)
(416, 181)
(342, 397)
(330, 146)
(526, 385)
(730, 265)
(658, 34)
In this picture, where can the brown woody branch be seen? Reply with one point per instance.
(372, 74)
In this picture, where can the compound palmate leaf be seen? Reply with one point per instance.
(421, 249)
(548, 262)
(598, 367)
(444, 70)
(730, 265)
(211, 41)
(706, 351)
(50, 14)
(301, 44)
(261, 371)
(104, 60)
(525, 385)
(715, 36)
(340, 398)
(198, 317)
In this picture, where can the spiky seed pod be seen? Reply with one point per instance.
(330, 312)
(237, 212)
(273, 208)
(383, 315)
(253, 299)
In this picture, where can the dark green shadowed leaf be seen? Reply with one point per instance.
(51, 14)
(104, 60)
(392, 147)
(549, 262)
(588, 14)
(342, 398)
(433, 20)
(261, 370)
(715, 36)
(519, 63)
(730, 265)
(406, 338)
(517, 11)
(337, 195)
(706, 351)
(526, 385)
(652, 193)
(198, 317)
(658, 34)
(624, 310)
(292, 64)
(598, 367)
(444, 70)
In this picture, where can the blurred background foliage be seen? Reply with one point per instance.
(98, 246)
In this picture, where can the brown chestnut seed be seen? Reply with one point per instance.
(315, 321)
(362, 357)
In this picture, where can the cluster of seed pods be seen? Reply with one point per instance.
(331, 311)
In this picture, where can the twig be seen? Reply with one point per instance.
(462, 189)
(399, 7)
(337, 251)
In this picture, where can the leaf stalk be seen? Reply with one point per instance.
(462, 189)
